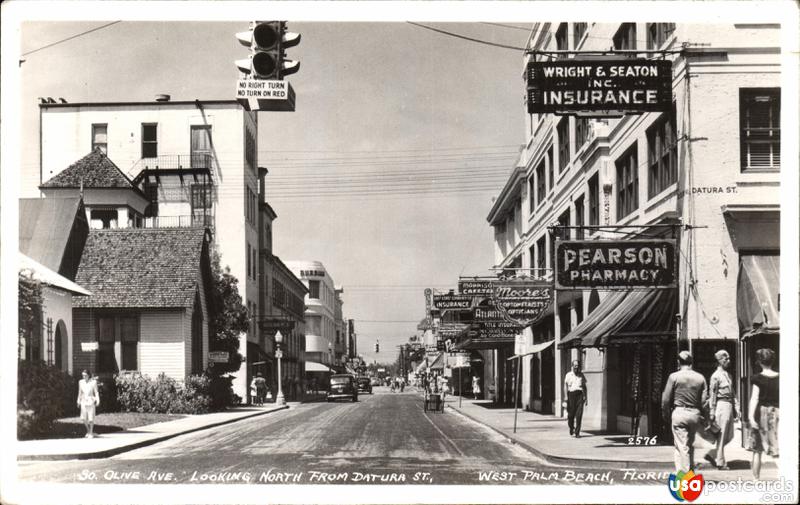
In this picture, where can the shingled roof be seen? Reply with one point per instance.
(142, 268)
(95, 170)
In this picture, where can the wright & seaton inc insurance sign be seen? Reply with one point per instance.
(599, 87)
(624, 264)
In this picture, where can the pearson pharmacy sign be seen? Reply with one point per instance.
(599, 87)
(607, 264)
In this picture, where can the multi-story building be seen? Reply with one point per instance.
(340, 344)
(706, 174)
(190, 162)
(281, 300)
(320, 314)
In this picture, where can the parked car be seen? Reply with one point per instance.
(343, 386)
(364, 385)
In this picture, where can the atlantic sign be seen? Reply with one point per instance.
(584, 264)
(599, 87)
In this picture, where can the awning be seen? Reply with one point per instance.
(533, 350)
(438, 363)
(757, 292)
(313, 366)
(627, 317)
(421, 368)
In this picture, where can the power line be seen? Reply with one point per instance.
(72, 37)
(479, 41)
(507, 26)
(371, 151)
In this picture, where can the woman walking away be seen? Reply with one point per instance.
(763, 433)
(88, 400)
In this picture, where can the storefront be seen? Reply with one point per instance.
(636, 330)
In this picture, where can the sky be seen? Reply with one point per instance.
(386, 170)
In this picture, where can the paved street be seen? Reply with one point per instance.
(384, 438)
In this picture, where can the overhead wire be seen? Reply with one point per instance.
(471, 39)
(71, 38)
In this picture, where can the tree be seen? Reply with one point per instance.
(30, 307)
(230, 317)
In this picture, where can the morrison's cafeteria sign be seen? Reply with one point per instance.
(600, 264)
(599, 87)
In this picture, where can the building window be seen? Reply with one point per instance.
(658, 33)
(562, 41)
(563, 144)
(625, 38)
(579, 221)
(247, 260)
(100, 137)
(594, 200)
(129, 342)
(201, 146)
(662, 155)
(760, 128)
(541, 183)
(581, 132)
(103, 218)
(541, 254)
(531, 193)
(149, 140)
(313, 290)
(106, 359)
(578, 30)
(550, 169)
(627, 183)
(250, 150)
(201, 196)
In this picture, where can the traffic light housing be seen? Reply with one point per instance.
(377, 347)
(268, 41)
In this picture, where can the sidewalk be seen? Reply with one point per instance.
(548, 437)
(111, 444)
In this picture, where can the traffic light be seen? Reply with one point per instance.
(268, 41)
(377, 347)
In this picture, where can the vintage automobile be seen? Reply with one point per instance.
(364, 385)
(343, 386)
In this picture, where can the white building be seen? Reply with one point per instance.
(193, 163)
(712, 163)
(321, 309)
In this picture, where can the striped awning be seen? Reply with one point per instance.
(313, 366)
(758, 287)
(627, 317)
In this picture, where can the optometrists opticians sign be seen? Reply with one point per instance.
(604, 264)
(599, 87)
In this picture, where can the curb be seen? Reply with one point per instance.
(142, 443)
(604, 464)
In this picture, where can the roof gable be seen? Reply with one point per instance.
(45, 227)
(95, 170)
(142, 268)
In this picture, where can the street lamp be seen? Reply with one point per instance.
(330, 353)
(279, 399)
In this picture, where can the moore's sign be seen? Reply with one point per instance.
(600, 264)
(599, 87)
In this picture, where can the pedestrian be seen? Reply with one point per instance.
(723, 408)
(260, 386)
(476, 387)
(88, 400)
(762, 435)
(577, 396)
(683, 404)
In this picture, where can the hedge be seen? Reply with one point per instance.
(198, 394)
(44, 393)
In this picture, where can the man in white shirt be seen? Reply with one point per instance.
(576, 397)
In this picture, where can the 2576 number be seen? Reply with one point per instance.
(642, 440)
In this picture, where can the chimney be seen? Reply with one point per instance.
(162, 98)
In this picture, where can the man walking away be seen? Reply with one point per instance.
(576, 395)
(685, 396)
(723, 407)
